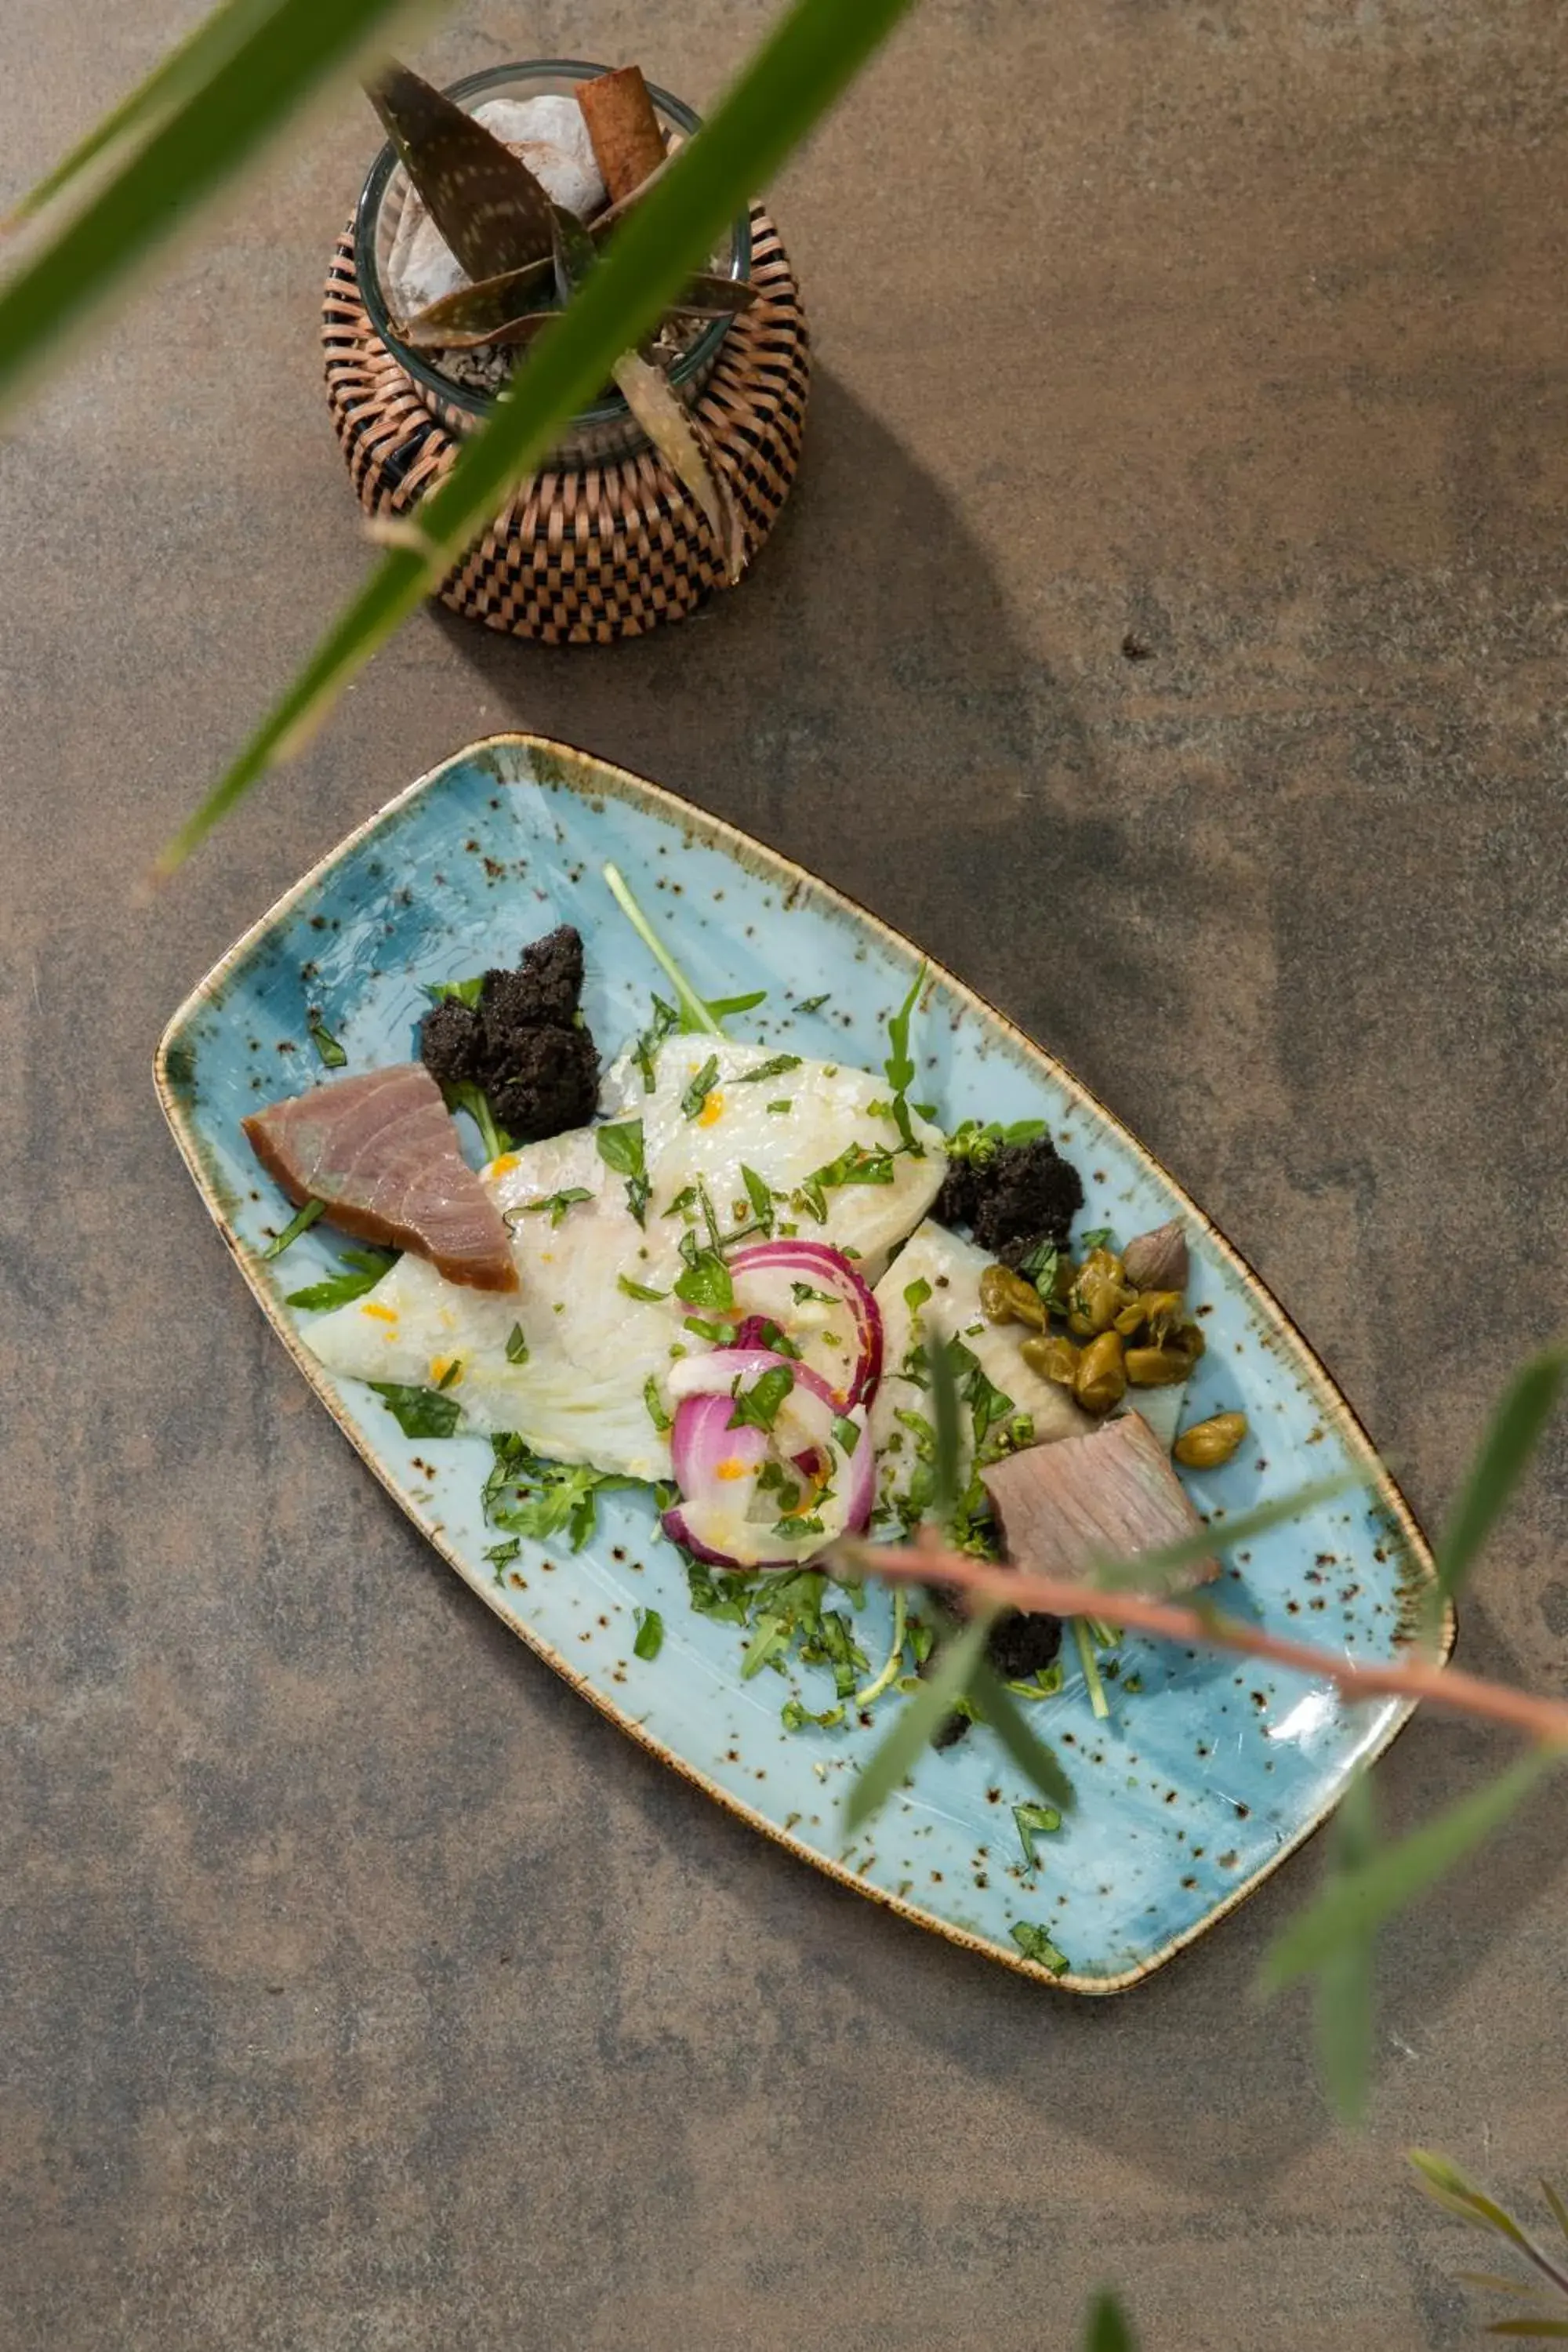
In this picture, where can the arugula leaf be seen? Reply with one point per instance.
(529, 1497)
(706, 1282)
(773, 1069)
(657, 1412)
(759, 1197)
(1031, 1818)
(725, 1601)
(621, 1149)
(701, 1086)
(637, 1289)
(419, 1413)
(326, 1045)
(1035, 1945)
(500, 1557)
(557, 1204)
(300, 1223)
(340, 1289)
(666, 1020)
(899, 1067)
(516, 1345)
(758, 1406)
(650, 1634)
(765, 1646)
(794, 1715)
(457, 991)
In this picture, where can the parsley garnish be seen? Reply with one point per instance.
(758, 1406)
(300, 1223)
(419, 1413)
(855, 1165)
(340, 1289)
(682, 1203)
(794, 1716)
(701, 1086)
(656, 1410)
(1035, 1945)
(1030, 1820)
(1098, 1238)
(773, 1069)
(722, 1334)
(516, 1346)
(637, 1289)
(916, 1293)
(760, 1199)
(802, 1293)
(556, 1202)
(500, 1557)
(621, 1149)
(325, 1044)
(527, 1496)
(813, 1003)
(650, 1634)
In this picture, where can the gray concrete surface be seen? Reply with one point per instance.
(363, 1990)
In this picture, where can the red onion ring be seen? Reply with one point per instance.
(830, 1269)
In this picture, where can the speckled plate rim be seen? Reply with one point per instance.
(796, 881)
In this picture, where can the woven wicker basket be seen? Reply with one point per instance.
(586, 554)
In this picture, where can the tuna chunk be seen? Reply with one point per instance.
(381, 1152)
(1110, 1494)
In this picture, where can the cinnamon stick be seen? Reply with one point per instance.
(623, 128)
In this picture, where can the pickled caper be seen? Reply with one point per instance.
(1101, 1378)
(1054, 1358)
(1099, 1294)
(1157, 1368)
(1009, 1297)
(1131, 1321)
(1165, 1312)
(1209, 1444)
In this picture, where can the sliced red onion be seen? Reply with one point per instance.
(714, 1463)
(827, 1269)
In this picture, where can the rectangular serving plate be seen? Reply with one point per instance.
(1211, 1769)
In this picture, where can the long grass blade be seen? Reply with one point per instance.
(1153, 1573)
(1364, 1900)
(792, 80)
(1027, 1748)
(171, 80)
(1446, 2186)
(1559, 2211)
(1343, 2007)
(908, 1734)
(225, 113)
(1108, 2330)
(1537, 2328)
(1515, 1432)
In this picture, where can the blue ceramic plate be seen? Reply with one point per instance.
(1209, 1772)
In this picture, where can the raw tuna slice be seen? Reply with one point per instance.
(381, 1152)
(1110, 1494)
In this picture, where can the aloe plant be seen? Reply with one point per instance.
(525, 256)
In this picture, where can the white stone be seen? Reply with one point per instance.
(551, 137)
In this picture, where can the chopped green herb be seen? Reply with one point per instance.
(701, 1086)
(657, 1411)
(683, 1203)
(621, 1149)
(765, 1646)
(326, 1045)
(457, 991)
(419, 1413)
(340, 1289)
(1034, 1820)
(726, 1602)
(516, 1345)
(557, 1203)
(722, 1334)
(926, 1112)
(1098, 1237)
(1045, 1684)
(452, 1375)
(721, 1007)
(916, 1293)
(1035, 1945)
(855, 1165)
(528, 1497)
(803, 1294)
(804, 1525)
(300, 1222)
(759, 1197)
(706, 1282)
(773, 1069)
(794, 1716)
(650, 1634)
(813, 1003)
(846, 1434)
(665, 1020)
(782, 1107)
(898, 1066)
(758, 1406)
(500, 1557)
(769, 1336)
(637, 1289)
